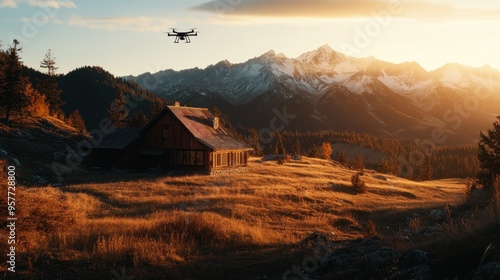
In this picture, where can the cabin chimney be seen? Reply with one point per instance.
(215, 123)
(177, 104)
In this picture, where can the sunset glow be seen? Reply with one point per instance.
(128, 38)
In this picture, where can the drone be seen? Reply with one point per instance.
(184, 36)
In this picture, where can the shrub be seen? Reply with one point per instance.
(358, 184)
(370, 229)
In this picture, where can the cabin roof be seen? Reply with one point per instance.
(119, 138)
(199, 121)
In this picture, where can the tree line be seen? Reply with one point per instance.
(22, 95)
(440, 162)
(81, 98)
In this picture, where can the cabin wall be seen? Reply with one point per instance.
(169, 133)
(181, 148)
(228, 159)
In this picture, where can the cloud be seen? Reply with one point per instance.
(292, 8)
(342, 9)
(55, 4)
(52, 3)
(8, 4)
(139, 23)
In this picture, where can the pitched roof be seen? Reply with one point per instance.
(119, 138)
(199, 122)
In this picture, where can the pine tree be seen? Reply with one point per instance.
(137, 119)
(49, 63)
(280, 148)
(326, 150)
(157, 107)
(75, 120)
(358, 163)
(426, 169)
(255, 142)
(2, 69)
(489, 155)
(12, 97)
(48, 85)
(313, 152)
(388, 166)
(296, 147)
(342, 157)
(118, 111)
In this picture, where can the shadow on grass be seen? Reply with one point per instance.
(114, 175)
(343, 189)
(388, 192)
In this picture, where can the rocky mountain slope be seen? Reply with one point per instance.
(325, 89)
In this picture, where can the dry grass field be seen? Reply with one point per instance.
(239, 226)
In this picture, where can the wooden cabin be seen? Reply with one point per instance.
(177, 138)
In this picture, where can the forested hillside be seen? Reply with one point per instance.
(403, 157)
(91, 90)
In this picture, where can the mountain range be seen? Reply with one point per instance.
(324, 89)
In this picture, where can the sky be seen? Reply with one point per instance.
(127, 37)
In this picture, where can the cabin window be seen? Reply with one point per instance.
(190, 157)
(220, 159)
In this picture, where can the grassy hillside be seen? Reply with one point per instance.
(34, 144)
(241, 226)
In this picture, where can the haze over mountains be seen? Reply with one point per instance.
(324, 89)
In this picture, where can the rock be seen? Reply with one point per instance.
(418, 272)
(16, 161)
(59, 156)
(415, 257)
(431, 231)
(488, 271)
(437, 215)
(40, 180)
(382, 256)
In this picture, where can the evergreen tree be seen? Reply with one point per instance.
(137, 119)
(388, 166)
(157, 107)
(358, 163)
(426, 169)
(280, 148)
(313, 152)
(2, 69)
(75, 120)
(326, 150)
(48, 85)
(296, 146)
(489, 155)
(342, 157)
(49, 63)
(118, 111)
(12, 97)
(255, 142)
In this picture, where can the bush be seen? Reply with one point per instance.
(358, 184)
(370, 229)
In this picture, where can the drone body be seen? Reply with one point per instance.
(183, 36)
